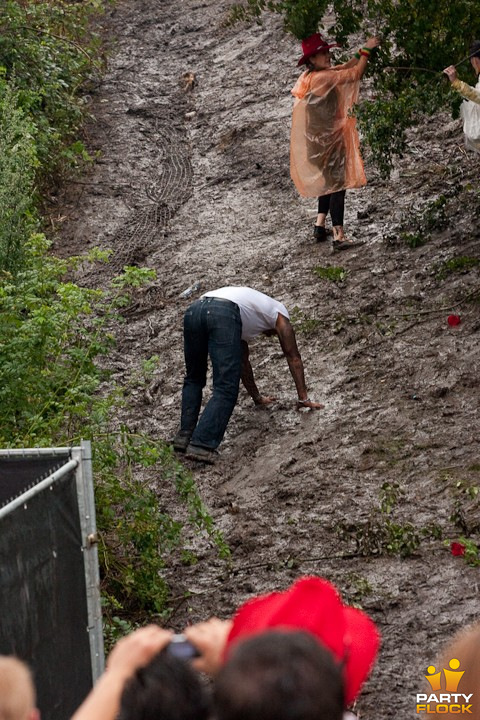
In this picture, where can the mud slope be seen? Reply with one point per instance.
(192, 122)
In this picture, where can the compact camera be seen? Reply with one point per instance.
(181, 648)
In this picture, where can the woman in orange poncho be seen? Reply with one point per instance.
(324, 151)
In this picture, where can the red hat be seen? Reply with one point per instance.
(315, 606)
(313, 44)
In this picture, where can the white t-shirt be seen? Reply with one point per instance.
(259, 312)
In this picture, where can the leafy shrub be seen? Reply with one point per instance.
(18, 166)
(55, 335)
(137, 536)
(302, 322)
(48, 51)
(432, 216)
(47, 372)
(301, 17)
(52, 334)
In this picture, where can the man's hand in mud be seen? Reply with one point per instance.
(309, 404)
(265, 400)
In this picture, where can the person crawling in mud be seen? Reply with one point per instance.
(219, 325)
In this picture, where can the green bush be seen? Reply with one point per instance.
(47, 372)
(381, 535)
(459, 264)
(332, 273)
(18, 167)
(53, 334)
(48, 52)
(137, 536)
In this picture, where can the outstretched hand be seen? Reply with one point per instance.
(309, 404)
(372, 42)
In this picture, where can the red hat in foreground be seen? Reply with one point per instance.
(313, 44)
(315, 606)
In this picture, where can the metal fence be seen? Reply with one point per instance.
(50, 612)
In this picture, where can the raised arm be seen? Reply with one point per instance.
(359, 61)
(346, 65)
(286, 335)
(461, 87)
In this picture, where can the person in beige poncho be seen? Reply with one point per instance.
(467, 91)
(325, 155)
(470, 113)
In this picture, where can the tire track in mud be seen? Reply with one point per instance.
(160, 200)
(144, 173)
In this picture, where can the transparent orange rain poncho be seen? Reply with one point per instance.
(324, 148)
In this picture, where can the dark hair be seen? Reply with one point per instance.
(279, 676)
(475, 49)
(166, 688)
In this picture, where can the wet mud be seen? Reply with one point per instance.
(192, 126)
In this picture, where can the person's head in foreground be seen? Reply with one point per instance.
(279, 676)
(17, 692)
(167, 689)
(314, 605)
(465, 649)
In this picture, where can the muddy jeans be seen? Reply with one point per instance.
(211, 327)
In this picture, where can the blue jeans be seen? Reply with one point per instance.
(211, 327)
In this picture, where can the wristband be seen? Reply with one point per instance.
(357, 55)
(365, 52)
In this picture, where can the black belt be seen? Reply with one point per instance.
(220, 299)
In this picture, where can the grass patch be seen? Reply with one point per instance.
(414, 240)
(431, 217)
(460, 264)
(333, 273)
(303, 323)
(381, 535)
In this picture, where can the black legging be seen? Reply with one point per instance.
(335, 203)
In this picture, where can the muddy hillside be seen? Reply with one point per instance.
(192, 124)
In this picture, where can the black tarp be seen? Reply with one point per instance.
(18, 474)
(43, 603)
